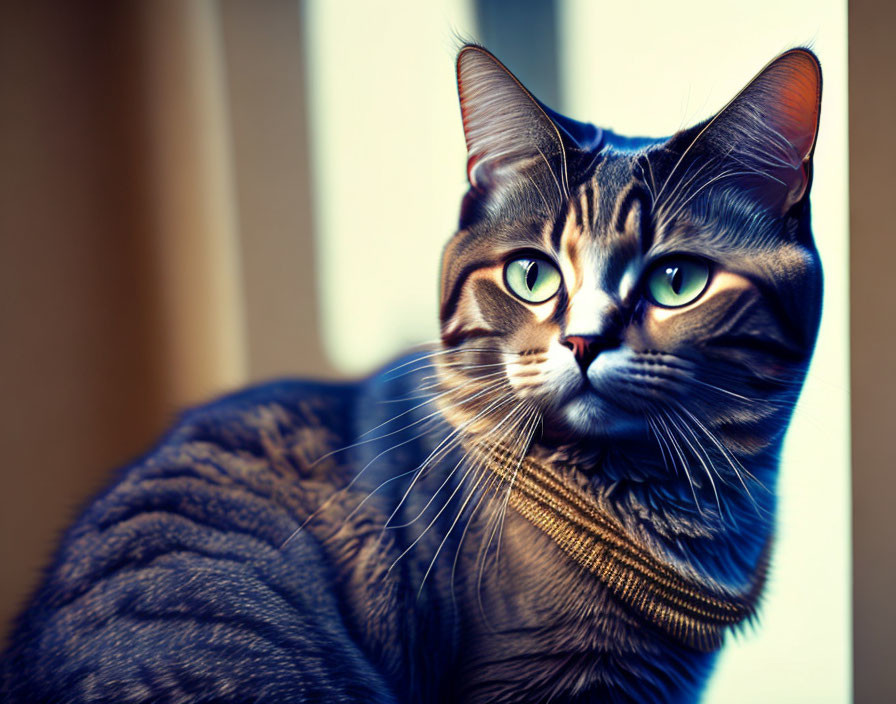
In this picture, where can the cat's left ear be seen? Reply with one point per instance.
(768, 131)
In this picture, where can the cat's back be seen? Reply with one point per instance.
(185, 580)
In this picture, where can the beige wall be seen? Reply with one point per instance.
(266, 84)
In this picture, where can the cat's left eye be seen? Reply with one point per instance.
(677, 281)
(533, 279)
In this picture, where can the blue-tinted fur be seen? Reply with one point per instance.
(175, 585)
(243, 560)
(170, 582)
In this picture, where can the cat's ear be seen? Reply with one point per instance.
(509, 134)
(767, 132)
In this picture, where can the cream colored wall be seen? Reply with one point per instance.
(388, 161)
(262, 52)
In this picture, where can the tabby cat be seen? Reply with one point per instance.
(570, 499)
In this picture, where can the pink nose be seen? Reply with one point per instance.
(587, 347)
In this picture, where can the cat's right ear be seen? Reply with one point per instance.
(511, 141)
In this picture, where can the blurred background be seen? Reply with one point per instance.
(200, 194)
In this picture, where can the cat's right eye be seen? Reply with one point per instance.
(533, 279)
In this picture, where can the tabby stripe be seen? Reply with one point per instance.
(450, 305)
(454, 338)
(595, 202)
(585, 210)
(636, 195)
(560, 227)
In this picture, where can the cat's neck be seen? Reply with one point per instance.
(713, 520)
(679, 591)
(517, 598)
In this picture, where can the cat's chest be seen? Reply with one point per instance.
(477, 617)
(447, 600)
(536, 628)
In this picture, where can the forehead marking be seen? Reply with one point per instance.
(547, 234)
(587, 309)
(562, 224)
(632, 213)
(594, 209)
(572, 241)
(585, 205)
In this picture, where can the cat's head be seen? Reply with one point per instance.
(606, 289)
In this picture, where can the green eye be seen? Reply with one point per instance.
(677, 281)
(532, 279)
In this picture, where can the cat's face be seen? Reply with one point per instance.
(613, 289)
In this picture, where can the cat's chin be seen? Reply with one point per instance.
(588, 416)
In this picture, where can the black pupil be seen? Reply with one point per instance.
(676, 278)
(531, 274)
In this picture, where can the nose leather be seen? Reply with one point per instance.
(587, 347)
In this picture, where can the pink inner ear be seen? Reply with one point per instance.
(795, 83)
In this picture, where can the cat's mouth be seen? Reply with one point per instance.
(613, 398)
(586, 413)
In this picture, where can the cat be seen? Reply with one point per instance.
(569, 499)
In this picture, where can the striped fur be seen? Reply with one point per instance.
(493, 520)
(676, 426)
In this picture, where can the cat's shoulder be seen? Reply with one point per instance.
(229, 464)
(190, 560)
